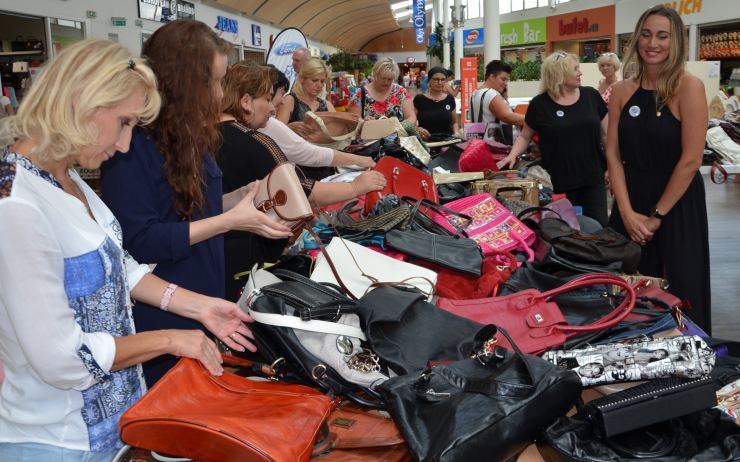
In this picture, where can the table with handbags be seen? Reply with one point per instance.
(454, 316)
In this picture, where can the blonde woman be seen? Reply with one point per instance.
(305, 95)
(571, 122)
(608, 66)
(383, 96)
(657, 126)
(69, 348)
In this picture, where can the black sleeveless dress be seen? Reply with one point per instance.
(650, 146)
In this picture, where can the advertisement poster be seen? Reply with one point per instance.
(281, 51)
(469, 83)
(256, 35)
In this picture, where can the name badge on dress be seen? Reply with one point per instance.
(559, 113)
(634, 111)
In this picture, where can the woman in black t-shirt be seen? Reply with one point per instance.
(571, 123)
(435, 109)
(246, 155)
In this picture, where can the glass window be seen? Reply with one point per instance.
(530, 4)
(474, 9)
(517, 5)
(504, 6)
(544, 2)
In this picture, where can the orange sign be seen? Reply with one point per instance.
(468, 84)
(596, 22)
(685, 6)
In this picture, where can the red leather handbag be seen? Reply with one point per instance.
(403, 180)
(534, 321)
(190, 413)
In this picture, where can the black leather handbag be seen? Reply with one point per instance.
(487, 408)
(408, 333)
(459, 254)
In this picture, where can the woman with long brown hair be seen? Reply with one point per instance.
(167, 192)
(657, 127)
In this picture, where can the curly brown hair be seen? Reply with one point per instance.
(245, 78)
(182, 53)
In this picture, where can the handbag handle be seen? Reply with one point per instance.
(491, 387)
(507, 173)
(320, 122)
(438, 209)
(534, 209)
(611, 319)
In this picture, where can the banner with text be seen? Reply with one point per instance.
(529, 31)
(281, 51)
(419, 18)
(469, 83)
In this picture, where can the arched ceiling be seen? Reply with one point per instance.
(346, 24)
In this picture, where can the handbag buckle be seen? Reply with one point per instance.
(250, 298)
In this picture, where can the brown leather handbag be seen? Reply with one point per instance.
(190, 413)
(509, 184)
(282, 198)
(329, 127)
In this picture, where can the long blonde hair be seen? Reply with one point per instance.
(313, 68)
(674, 68)
(58, 112)
(555, 69)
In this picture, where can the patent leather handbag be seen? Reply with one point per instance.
(487, 408)
(402, 180)
(533, 318)
(192, 414)
(282, 198)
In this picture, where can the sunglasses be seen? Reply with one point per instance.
(561, 55)
(609, 53)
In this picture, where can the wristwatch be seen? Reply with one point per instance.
(655, 213)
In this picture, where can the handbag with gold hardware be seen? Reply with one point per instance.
(281, 197)
(509, 184)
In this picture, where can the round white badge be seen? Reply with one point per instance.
(447, 107)
(635, 111)
(560, 113)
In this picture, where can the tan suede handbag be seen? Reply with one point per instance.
(281, 197)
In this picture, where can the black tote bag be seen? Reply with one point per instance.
(484, 409)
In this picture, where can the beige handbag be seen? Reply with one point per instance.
(510, 184)
(281, 197)
(329, 127)
(380, 128)
(416, 148)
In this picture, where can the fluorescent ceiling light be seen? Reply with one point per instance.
(403, 14)
(399, 5)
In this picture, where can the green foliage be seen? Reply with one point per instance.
(347, 62)
(528, 70)
(436, 49)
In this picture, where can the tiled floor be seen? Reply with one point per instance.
(723, 207)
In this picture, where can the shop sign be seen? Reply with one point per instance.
(225, 24)
(473, 37)
(523, 32)
(118, 21)
(685, 6)
(421, 36)
(166, 10)
(577, 27)
(469, 83)
(419, 19)
(256, 35)
(411, 60)
(185, 10)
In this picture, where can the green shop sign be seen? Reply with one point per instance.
(528, 31)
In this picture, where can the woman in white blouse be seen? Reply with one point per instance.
(67, 341)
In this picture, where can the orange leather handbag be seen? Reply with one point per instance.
(190, 413)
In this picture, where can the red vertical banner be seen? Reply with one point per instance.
(469, 83)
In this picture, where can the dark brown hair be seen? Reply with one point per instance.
(245, 78)
(181, 53)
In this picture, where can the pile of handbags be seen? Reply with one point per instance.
(408, 329)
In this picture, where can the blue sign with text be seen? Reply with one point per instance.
(225, 24)
(419, 17)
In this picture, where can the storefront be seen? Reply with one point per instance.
(523, 41)
(712, 37)
(586, 33)
(26, 42)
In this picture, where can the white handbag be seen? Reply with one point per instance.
(361, 267)
(382, 127)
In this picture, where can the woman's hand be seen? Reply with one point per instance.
(424, 133)
(363, 161)
(368, 181)
(507, 163)
(245, 217)
(195, 344)
(225, 320)
(640, 228)
(302, 129)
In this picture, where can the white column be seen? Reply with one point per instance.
(693, 41)
(458, 37)
(446, 34)
(438, 12)
(491, 31)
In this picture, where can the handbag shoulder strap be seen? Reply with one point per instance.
(313, 325)
(363, 91)
(480, 108)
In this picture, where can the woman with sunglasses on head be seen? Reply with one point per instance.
(657, 128)
(608, 66)
(167, 192)
(68, 345)
(571, 123)
(246, 155)
(435, 109)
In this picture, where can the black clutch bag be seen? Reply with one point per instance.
(656, 401)
(459, 254)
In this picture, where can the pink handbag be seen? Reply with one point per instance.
(493, 226)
